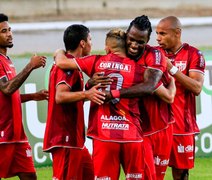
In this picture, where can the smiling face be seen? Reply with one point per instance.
(136, 41)
(6, 40)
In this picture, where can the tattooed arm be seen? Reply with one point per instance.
(9, 87)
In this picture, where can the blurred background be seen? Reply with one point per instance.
(38, 27)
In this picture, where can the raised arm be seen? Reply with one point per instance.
(9, 87)
(63, 62)
(193, 82)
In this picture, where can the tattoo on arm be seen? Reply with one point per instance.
(9, 87)
(151, 79)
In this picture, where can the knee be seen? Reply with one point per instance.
(180, 174)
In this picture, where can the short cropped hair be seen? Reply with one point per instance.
(74, 34)
(3, 18)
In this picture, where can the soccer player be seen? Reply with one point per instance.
(114, 126)
(16, 155)
(156, 114)
(186, 64)
(65, 130)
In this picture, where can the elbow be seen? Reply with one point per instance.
(197, 91)
(59, 99)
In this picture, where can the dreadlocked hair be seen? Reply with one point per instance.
(142, 23)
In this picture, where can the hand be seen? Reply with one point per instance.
(37, 61)
(95, 95)
(108, 96)
(99, 78)
(41, 95)
(169, 64)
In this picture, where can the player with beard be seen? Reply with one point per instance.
(16, 155)
(156, 114)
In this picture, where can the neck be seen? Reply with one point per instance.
(3, 51)
(75, 53)
(175, 49)
(120, 53)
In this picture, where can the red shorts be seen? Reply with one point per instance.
(69, 163)
(108, 156)
(15, 158)
(157, 151)
(183, 152)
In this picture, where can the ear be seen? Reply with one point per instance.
(82, 43)
(178, 32)
(107, 49)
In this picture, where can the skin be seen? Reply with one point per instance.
(169, 38)
(9, 87)
(135, 42)
(63, 93)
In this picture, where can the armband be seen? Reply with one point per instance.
(87, 86)
(173, 70)
(115, 93)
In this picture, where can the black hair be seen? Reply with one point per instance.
(74, 34)
(3, 18)
(142, 23)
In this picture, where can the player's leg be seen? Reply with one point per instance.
(106, 159)
(180, 174)
(27, 176)
(132, 160)
(23, 162)
(87, 165)
(182, 156)
(149, 170)
(162, 145)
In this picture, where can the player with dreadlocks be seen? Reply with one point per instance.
(156, 114)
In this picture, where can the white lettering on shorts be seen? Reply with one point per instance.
(183, 149)
(134, 176)
(102, 178)
(160, 162)
(29, 153)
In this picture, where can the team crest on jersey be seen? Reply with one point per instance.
(181, 65)
(115, 66)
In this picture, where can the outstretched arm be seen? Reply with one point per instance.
(9, 87)
(64, 95)
(38, 96)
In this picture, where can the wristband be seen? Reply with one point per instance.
(173, 70)
(87, 86)
(115, 93)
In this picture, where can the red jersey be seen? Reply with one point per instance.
(187, 59)
(156, 114)
(65, 122)
(11, 127)
(153, 58)
(118, 120)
